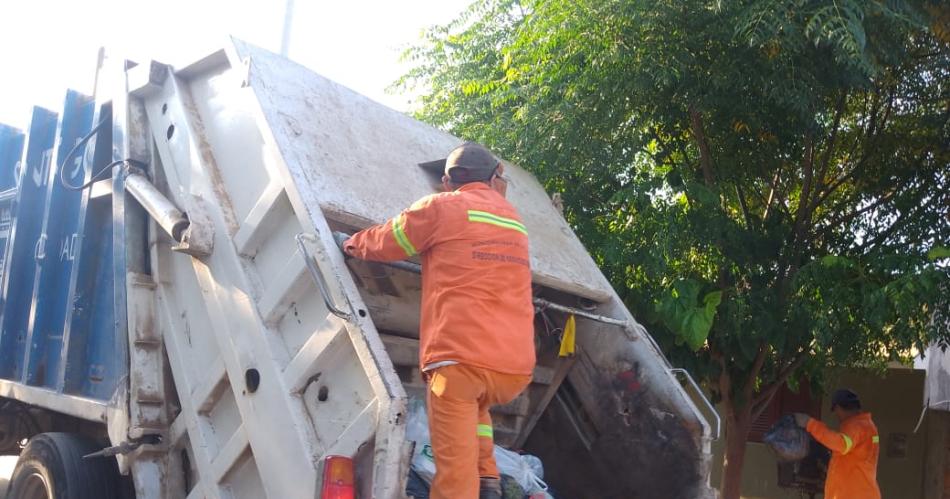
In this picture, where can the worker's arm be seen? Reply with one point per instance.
(409, 233)
(839, 442)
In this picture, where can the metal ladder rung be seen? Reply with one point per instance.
(253, 228)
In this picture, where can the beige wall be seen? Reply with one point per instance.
(894, 401)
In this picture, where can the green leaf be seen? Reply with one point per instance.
(938, 253)
(604, 101)
(682, 313)
(711, 301)
(836, 261)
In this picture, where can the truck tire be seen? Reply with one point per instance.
(51, 467)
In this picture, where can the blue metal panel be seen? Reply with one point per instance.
(93, 370)
(11, 152)
(60, 239)
(89, 366)
(57, 321)
(24, 243)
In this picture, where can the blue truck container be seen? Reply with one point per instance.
(57, 310)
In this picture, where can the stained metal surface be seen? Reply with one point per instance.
(364, 160)
(256, 150)
(56, 326)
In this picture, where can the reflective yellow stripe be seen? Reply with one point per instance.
(848, 444)
(401, 238)
(485, 430)
(876, 439)
(490, 218)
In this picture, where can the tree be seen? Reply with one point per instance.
(765, 182)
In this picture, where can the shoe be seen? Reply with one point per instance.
(490, 489)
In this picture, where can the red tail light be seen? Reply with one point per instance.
(338, 482)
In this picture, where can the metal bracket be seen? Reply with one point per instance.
(712, 409)
(318, 276)
(126, 447)
(191, 238)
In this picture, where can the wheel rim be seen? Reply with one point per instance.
(36, 488)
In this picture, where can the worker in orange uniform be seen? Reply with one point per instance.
(852, 473)
(477, 331)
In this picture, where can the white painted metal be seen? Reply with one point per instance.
(362, 158)
(74, 406)
(326, 385)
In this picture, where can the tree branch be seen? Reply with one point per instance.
(705, 155)
(901, 219)
(895, 190)
(870, 146)
(798, 226)
(826, 160)
(780, 379)
(757, 364)
(725, 382)
(851, 216)
(803, 204)
(745, 207)
(768, 201)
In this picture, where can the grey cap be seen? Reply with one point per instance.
(470, 162)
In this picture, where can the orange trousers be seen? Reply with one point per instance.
(459, 397)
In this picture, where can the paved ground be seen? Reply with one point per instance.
(6, 469)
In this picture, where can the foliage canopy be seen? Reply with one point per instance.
(765, 182)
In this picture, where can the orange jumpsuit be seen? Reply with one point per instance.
(477, 322)
(852, 473)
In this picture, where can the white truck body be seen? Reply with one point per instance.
(251, 376)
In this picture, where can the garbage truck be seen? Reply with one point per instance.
(177, 320)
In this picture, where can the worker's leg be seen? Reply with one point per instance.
(486, 442)
(453, 418)
(501, 389)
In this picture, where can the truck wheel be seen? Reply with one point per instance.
(51, 467)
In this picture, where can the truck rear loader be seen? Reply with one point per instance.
(177, 321)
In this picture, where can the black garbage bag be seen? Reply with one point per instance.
(416, 487)
(787, 440)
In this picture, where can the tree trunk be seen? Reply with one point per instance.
(738, 423)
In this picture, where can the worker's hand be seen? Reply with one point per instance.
(342, 241)
(348, 248)
(802, 419)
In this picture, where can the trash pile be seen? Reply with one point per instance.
(521, 474)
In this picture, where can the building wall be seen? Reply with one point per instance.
(937, 459)
(938, 378)
(895, 402)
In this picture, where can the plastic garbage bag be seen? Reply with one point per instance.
(510, 489)
(417, 430)
(535, 463)
(520, 468)
(787, 440)
(516, 466)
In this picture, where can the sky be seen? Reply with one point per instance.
(47, 46)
